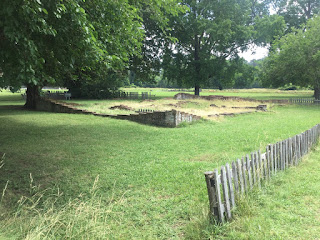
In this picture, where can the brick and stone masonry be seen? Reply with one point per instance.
(164, 119)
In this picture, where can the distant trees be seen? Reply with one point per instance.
(296, 58)
(208, 34)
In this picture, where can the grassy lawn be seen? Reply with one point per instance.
(151, 183)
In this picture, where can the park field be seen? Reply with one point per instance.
(68, 176)
(256, 93)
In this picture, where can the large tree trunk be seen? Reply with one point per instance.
(317, 93)
(197, 90)
(197, 65)
(33, 96)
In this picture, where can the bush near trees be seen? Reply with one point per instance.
(296, 59)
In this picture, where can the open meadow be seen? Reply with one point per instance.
(69, 176)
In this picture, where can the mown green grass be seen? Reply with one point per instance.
(152, 177)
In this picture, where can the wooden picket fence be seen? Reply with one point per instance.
(145, 110)
(304, 101)
(239, 177)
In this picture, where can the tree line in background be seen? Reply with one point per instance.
(94, 47)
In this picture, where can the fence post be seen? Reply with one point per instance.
(211, 194)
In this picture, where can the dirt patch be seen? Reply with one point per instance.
(122, 107)
(72, 104)
(171, 105)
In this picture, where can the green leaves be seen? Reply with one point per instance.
(295, 57)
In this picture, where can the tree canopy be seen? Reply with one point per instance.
(296, 12)
(89, 45)
(296, 58)
(71, 41)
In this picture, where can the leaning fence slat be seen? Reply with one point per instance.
(218, 194)
(244, 175)
(275, 158)
(303, 145)
(253, 169)
(299, 148)
(240, 177)
(278, 156)
(257, 168)
(282, 155)
(224, 184)
(266, 164)
(235, 177)
(230, 185)
(290, 150)
(271, 160)
(249, 170)
(286, 148)
(260, 164)
(295, 153)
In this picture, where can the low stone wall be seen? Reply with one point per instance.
(48, 105)
(164, 119)
(185, 96)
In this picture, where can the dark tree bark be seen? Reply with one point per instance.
(317, 93)
(33, 96)
(197, 90)
(197, 65)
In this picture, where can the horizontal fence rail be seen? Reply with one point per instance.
(232, 181)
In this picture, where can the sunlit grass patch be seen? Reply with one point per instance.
(199, 107)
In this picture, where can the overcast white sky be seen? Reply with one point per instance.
(254, 53)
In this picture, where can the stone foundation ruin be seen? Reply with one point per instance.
(157, 118)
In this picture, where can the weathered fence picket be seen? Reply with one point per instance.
(235, 180)
(249, 171)
(240, 177)
(235, 177)
(244, 174)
